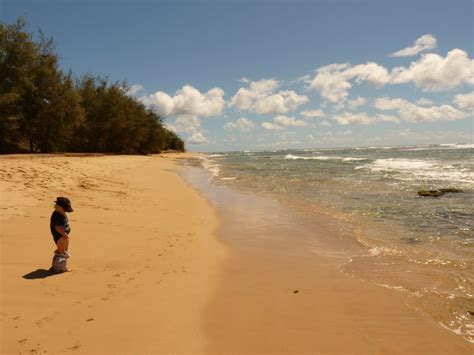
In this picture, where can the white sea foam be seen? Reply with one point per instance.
(410, 169)
(211, 166)
(228, 178)
(216, 155)
(375, 251)
(353, 159)
(321, 157)
(458, 145)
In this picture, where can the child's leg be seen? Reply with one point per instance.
(62, 244)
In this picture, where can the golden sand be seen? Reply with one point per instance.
(144, 257)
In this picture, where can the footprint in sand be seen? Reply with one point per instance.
(40, 323)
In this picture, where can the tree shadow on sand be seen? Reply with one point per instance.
(39, 274)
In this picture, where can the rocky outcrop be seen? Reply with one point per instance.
(437, 193)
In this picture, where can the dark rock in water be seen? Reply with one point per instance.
(439, 192)
(430, 193)
(451, 190)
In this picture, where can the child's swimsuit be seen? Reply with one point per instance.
(57, 219)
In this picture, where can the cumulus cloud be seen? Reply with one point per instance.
(187, 101)
(312, 113)
(185, 124)
(287, 121)
(465, 101)
(281, 121)
(242, 123)
(350, 118)
(435, 73)
(388, 118)
(271, 126)
(333, 81)
(260, 97)
(197, 138)
(355, 103)
(424, 102)
(431, 72)
(135, 90)
(421, 44)
(413, 113)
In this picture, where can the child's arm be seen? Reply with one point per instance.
(61, 231)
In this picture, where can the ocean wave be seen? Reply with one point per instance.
(458, 145)
(409, 169)
(322, 157)
(353, 159)
(375, 251)
(211, 166)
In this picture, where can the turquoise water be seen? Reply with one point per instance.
(421, 245)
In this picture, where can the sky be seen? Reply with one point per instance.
(257, 75)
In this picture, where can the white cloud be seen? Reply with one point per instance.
(325, 124)
(135, 90)
(282, 121)
(435, 73)
(350, 118)
(431, 72)
(260, 97)
(271, 126)
(312, 113)
(424, 102)
(333, 81)
(465, 101)
(287, 121)
(185, 124)
(355, 103)
(187, 101)
(413, 113)
(421, 44)
(388, 118)
(242, 123)
(197, 138)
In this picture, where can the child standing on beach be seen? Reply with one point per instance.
(59, 225)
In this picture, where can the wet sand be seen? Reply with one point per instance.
(283, 291)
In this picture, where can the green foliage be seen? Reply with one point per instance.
(45, 110)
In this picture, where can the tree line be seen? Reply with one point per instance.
(43, 109)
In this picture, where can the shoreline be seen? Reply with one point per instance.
(285, 269)
(163, 266)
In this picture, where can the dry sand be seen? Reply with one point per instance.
(157, 269)
(144, 257)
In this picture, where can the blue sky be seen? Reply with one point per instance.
(235, 75)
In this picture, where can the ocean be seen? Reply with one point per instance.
(423, 246)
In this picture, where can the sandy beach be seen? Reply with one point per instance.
(145, 257)
(162, 267)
